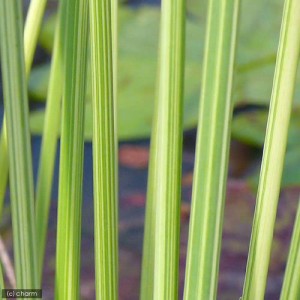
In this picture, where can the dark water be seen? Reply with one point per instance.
(143, 2)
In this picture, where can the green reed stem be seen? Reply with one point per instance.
(2, 286)
(74, 39)
(48, 149)
(161, 242)
(213, 139)
(3, 165)
(32, 27)
(19, 149)
(274, 153)
(291, 283)
(104, 150)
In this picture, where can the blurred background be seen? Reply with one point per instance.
(138, 48)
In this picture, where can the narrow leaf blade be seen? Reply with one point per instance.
(19, 149)
(104, 149)
(274, 153)
(213, 139)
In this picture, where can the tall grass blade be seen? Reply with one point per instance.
(147, 272)
(48, 150)
(291, 283)
(44, 182)
(31, 30)
(1, 280)
(114, 26)
(32, 27)
(160, 269)
(18, 135)
(212, 149)
(104, 150)
(74, 38)
(3, 165)
(274, 152)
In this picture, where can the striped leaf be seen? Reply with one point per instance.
(18, 138)
(291, 283)
(32, 27)
(3, 165)
(211, 163)
(48, 150)
(274, 152)
(73, 44)
(161, 241)
(104, 148)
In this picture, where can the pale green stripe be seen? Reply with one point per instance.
(1, 281)
(48, 150)
(18, 135)
(3, 165)
(274, 152)
(32, 29)
(291, 284)
(73, 40)
(147, 272)
(114, 26)
(104, 151)
(161, 241)
(213, 139)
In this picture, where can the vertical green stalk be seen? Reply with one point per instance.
(291, 283)
(18, 135)
(147, 272)
(213, 139)
(114, 26)
(48, 150)
(31, 31)
(74, 38)
(3, 165)
(274, 152)
(160, 268)
(1, 281)
(104, 150)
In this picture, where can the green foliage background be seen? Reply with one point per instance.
(138, 67)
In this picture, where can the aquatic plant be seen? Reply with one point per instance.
(85, 27)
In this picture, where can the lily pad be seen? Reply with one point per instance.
(38, 83)
(256, 50)
(137, 70)
(134, 113)
(138, 56)
(250, 128)
(291, 170)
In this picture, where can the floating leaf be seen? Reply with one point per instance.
(48, 32)
(38, 83)
(137, 70)
(291, 170)
(256, 49)
(134, 112)
(250, 128)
